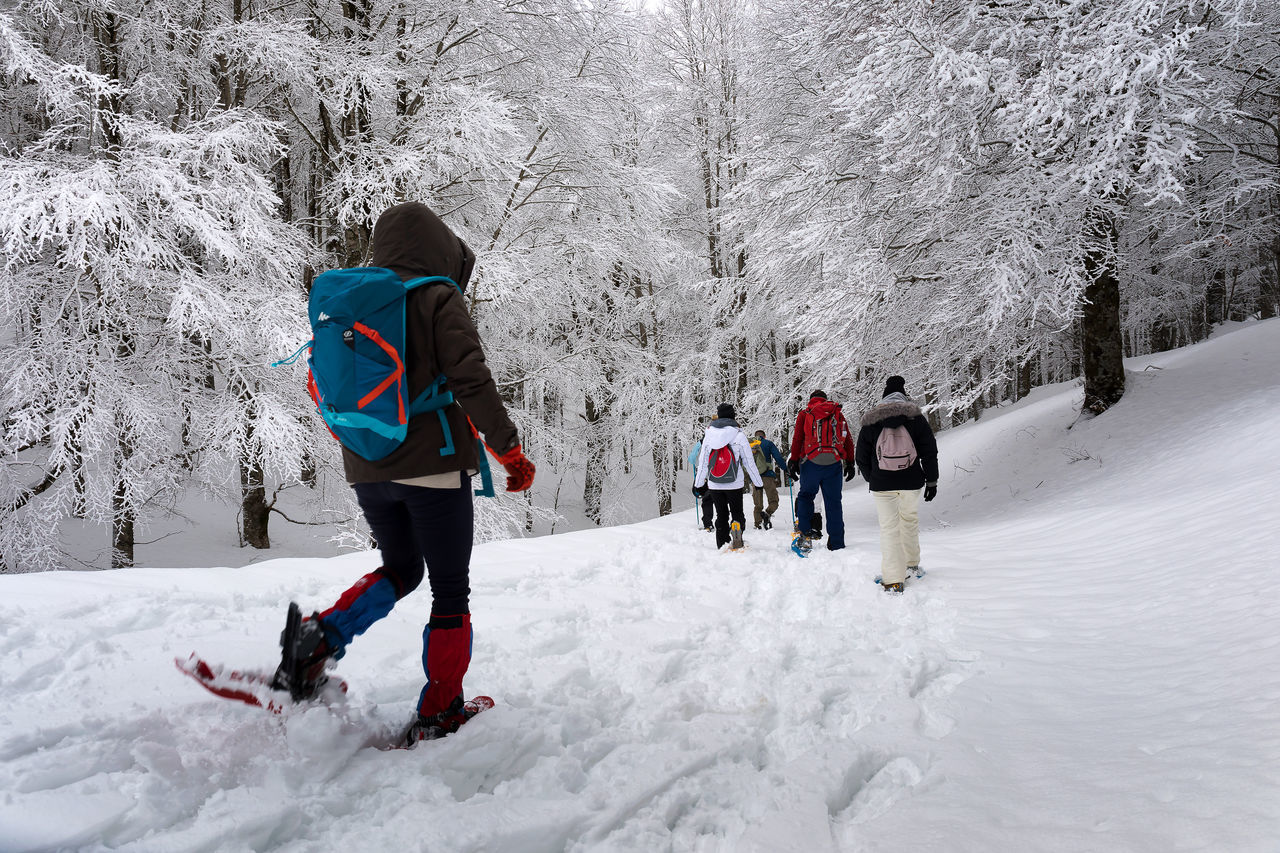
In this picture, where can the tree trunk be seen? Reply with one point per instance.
(255, 513)
(123, 515)
(1101, 341)
(593, 485)
(253, 505)
(662, 477)
(1026, 371)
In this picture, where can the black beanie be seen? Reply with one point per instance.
(725, 410)
(894, 385)
(819, 394)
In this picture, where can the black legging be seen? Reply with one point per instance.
(728, 503)
(415, 525)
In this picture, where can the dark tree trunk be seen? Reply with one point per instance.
(123, 515)
(1101, 340)
(253, 505)
(593, 485)
(662, 477)
(1026, 373)
(254, 510)
(1215, 299)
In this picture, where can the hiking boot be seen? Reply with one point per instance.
(815, 526)
(768, 523)
(893, 588)
(735, 536)
(916, 571)
(304, 654)
(436, 726)
(758, 527)
(708, 528)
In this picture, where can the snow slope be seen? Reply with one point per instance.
(1092, 664)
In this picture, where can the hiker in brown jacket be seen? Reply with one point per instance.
(418, 500)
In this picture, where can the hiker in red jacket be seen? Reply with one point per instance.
(821, 450)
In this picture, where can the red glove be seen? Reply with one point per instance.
(519, 469)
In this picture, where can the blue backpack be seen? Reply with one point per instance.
(358, 377)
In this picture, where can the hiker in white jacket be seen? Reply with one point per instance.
(725, 455)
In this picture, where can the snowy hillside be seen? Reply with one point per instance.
(1091, 664)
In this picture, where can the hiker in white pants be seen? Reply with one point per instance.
(899, 513)
(898, 455)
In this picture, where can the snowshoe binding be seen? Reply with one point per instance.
(446, 722)
(800, 543)
(912, 572)
(304, 654)
(735, 537)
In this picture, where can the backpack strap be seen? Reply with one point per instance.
(486, 475)
(296, 355)
(436, 399)
(431, 279)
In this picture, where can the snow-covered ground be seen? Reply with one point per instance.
(1092, 664)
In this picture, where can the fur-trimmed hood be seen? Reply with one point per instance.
(893, 406)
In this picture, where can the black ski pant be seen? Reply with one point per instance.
(417, 527)
(708, 511)
(728, 506)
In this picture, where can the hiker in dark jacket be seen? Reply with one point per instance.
(771, 466)
(897, 486)
(418, 499)
(821, 450)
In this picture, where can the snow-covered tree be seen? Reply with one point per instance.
(147, 279)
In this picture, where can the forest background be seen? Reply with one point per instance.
(672, 205)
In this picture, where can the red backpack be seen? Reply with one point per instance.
(722, 466)
(827, 434)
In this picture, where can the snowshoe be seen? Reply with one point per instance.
(446, 722)
(735, 536)
(304, 653)
(912, 572)
(892, 588)
(801, 544)
(249, 686)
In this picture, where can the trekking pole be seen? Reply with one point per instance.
(697, 514)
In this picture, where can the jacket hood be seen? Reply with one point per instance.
(411, 240)
(822, 408)
(895, 406)
(721, 432)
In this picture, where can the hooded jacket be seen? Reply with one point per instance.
(804, 444)
(897, 410)
(725, 432)
(440, 339)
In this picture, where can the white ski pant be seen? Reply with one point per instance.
(899, 513)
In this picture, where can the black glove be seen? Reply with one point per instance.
(849, 472)
(930, 491)
(700, 491)
(793, 468)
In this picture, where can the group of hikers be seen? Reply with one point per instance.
(398, 373)
(895, 451)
